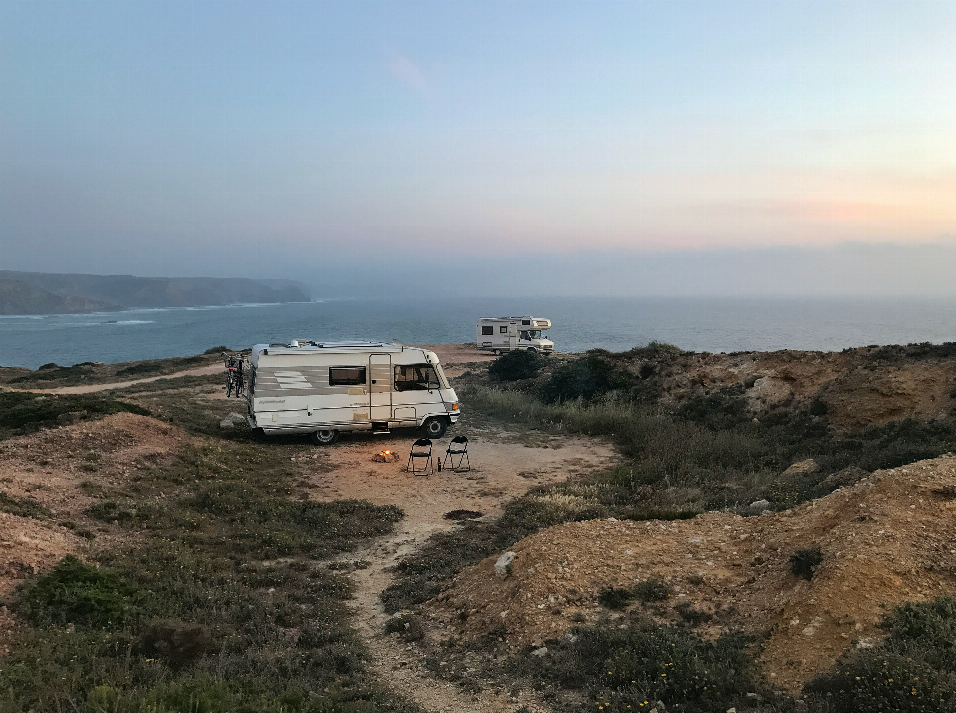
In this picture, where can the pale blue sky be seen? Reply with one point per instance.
(284, 139)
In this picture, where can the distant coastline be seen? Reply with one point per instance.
(39, 293)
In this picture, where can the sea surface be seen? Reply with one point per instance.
(699, 324)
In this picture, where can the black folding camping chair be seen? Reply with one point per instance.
(422, 448)
(458, 448)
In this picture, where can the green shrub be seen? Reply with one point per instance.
(23, 507)
(913, 670)
(722, 409)
(803, 563)
(81, 594)
(620, 669)
(516, 365)
(594, 374)
(615, 597)
(652, 589)
(886, 681)
(177, 641)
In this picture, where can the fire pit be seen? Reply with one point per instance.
(385, 457)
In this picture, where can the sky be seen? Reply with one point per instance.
(768, 146)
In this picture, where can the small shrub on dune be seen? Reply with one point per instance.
(615, 597)
(78, 593)
(652, 590)
(517, 365)
(803, 563)
(592, 375)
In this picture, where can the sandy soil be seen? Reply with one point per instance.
(502, 468)
(889, 539)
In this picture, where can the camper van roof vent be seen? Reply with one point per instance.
(355, 345)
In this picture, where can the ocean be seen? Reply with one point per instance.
(699, 324)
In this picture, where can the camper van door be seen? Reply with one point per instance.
(512, 337)
(380, 387)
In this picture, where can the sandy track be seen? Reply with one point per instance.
(502, 469)
(92, 388)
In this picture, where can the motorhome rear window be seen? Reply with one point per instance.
(416, 377)
(487, 331)
(346, 375)
(503, 330)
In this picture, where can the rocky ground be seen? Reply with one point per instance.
(889, 539)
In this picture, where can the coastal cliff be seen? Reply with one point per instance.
(51, 293)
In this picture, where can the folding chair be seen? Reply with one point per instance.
(419, 451)
(458, 447)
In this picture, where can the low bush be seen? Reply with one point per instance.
(83, 595)
(622, 669)
(177, 641)
(803, 563)
(516, 365)
(615, 597)
(590, 376)
(23, 507)
(652, 589)
(913, 670)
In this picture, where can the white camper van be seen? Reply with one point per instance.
(326, 388)
(505, 334)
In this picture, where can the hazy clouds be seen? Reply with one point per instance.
(612, 148)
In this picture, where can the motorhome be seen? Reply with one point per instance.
(324, 388)
(505, 334)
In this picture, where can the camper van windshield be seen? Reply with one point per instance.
(531, 334)
(416, 377)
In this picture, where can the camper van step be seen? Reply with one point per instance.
(380, 433)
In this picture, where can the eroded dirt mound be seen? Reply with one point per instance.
(49, 467)
(889, 539)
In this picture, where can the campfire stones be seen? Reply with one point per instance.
(385, 457)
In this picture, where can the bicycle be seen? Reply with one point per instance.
(235, 380)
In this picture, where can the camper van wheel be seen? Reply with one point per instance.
(532, 350)
(497, 352)
(325, 437)
(435, 427)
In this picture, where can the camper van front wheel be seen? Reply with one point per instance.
(435, 427)
(325, 437)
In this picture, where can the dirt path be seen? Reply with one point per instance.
(92, 388)
(502, 468)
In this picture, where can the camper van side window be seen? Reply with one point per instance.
(346, 376)
(487, 331)
(416, 377)
(526, 322)
(503, 330)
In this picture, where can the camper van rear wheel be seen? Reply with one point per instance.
(435, 427)
(325, 437)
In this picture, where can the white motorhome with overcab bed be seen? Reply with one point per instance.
(505, 334)
(326, 388)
